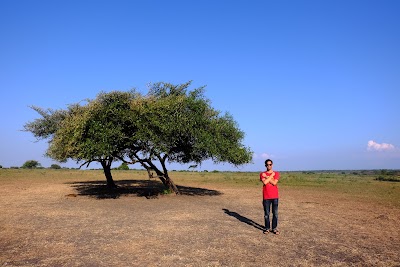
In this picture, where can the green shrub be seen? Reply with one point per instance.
(167, 192)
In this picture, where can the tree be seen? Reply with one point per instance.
(31, 164)
(55, 166)
(88, 133)
(193, 167)
(169, 124)
(181, 126)
(124, 166)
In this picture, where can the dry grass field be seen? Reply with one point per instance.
(65, 218)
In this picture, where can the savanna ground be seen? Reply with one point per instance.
(65, 218)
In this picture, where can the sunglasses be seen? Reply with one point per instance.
(268, 164)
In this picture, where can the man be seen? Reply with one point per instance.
(270, 178)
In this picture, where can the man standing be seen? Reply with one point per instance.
(270, 178)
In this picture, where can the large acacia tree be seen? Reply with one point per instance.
(169, 124)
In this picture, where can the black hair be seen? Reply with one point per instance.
(267, 161)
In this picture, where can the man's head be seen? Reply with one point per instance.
(268, 164)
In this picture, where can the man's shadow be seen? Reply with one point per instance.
(244, 219)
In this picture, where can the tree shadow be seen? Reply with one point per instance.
(141, 188)
(244, 219)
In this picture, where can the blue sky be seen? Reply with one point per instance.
(313, 84)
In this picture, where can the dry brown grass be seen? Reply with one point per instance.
(46, 221)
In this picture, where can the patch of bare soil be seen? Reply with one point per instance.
(79, 224)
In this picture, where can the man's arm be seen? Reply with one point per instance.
(264, 179)
(274, 181)
(268, 179)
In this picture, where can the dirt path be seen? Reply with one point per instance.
(41, 226)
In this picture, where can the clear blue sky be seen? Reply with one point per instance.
(313, 84)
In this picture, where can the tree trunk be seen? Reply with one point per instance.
(163, 176)
(107, 173)
(171, 185)
(167, 182)
(148, 169)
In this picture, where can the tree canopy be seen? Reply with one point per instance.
(31, 164)
(124, 166)
(168, 124)
(55, 166)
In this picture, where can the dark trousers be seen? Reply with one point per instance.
(267, 203)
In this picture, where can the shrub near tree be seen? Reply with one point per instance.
(169, 124)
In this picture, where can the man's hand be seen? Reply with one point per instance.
(272, 179)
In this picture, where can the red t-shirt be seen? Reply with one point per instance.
(270, 191)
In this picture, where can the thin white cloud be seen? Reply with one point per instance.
(261, 156)
(372, 145)
(265, 156)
